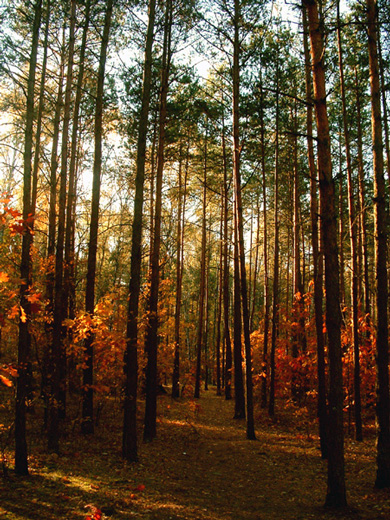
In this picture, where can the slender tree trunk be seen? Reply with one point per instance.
(57, 401)
(299, 334)
(51, 243)
(87, 425)
(275, 287)
(35, 171)
(129, 438)
(380, 224)
(336, 493)
(219, 299)
(353, 239)
(239, 394)
(202, 290)
(250, 428)
(362, 200)
(151, 338)
(341, 232)
(176, 361)
(207, 318)
(264, 378)
(226, 330)
(384, 107)
(256, 263)
(69, 267)
(41, 102)
(153, 160)
(317, 255)
(24, 343)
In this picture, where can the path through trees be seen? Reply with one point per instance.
(201, 466)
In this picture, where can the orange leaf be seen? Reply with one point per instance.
(23, 315)
(3, 277)
(14, 311)
(6, 381)
(34, 297)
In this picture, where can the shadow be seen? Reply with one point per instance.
(200, 467)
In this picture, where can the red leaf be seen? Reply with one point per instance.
(140, 487)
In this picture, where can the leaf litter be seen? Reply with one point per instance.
(200, 467)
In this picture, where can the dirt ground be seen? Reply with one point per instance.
(200, 467)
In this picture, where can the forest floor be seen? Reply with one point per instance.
(200, 467)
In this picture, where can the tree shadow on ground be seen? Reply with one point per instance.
(200, 467)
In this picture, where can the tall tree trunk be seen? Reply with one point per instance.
(24, 343)
(129, 437)
(202, 290)
(226, 329)
(317, 254)
(151, 338)
(239, 394)
(250, 427)
(51, 242)
(384, 107)
(207, 317)
(87, 425)
(336, 493)
(176, 361)
(256, 263)
(41, 102)
(58, 356)
(275, 286)
(34, 183)
(219, 299)
(69, 268)
(264, 378)
(353, 239)
(341, 231)
(299, 334)
(380, 223)
(362, 201)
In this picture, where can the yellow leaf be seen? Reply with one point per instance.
(23, 316)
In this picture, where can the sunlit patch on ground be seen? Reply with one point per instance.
(200, 467)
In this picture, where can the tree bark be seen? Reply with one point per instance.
(250, 428)
(176, 361)
(226, 329)
(151, 338)
(380, 230)
(87, 425)
(69, 267)
(57, 400)
(24, 342)
(239, 394)
(353, 240)
(317, 254)
(264, 377)
(275, 286)
(129, 437)
(202, 289)
(219, 299)
(336, 492)
(51, 243)
(362, 201)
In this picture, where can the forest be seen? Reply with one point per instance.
(194, 200)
